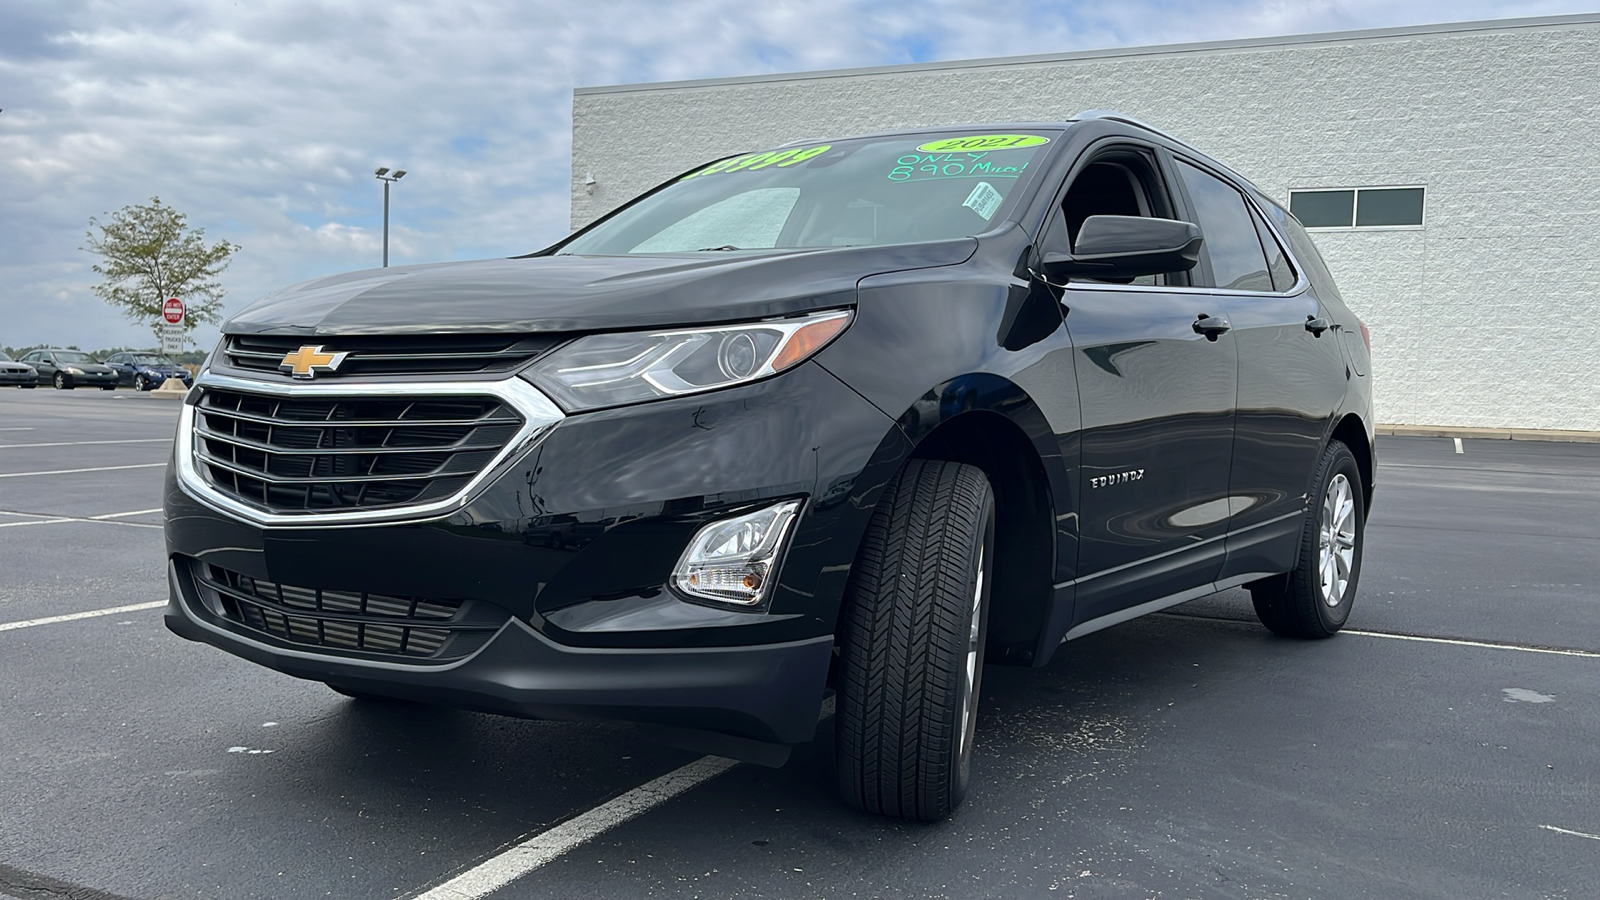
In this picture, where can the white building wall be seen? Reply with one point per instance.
(1487, 316)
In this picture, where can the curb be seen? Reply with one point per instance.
(1502, 434)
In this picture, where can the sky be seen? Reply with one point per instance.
(263, 121)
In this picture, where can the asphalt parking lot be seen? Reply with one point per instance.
(1444, 746)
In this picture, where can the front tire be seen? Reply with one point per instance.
(140, 383)
(911, 652)
(62, 382)
(1314, 600)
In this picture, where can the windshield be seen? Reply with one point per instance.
(4, 357)
(72, 356)
(145, 359)
(893, 190)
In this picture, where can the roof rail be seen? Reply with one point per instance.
(1115, 116)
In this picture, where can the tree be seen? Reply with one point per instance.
(150, 253)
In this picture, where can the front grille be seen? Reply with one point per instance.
(430, 354)
(327, 454)
(353, 622)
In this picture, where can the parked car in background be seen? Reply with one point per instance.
(67, 369)
(17, 373)
(145, 371)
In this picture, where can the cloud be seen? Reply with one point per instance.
(263, 121)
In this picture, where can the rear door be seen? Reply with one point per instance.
(1157, 400)
(45, 363)
(1291, 376)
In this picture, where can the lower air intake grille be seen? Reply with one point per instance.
(353, 623)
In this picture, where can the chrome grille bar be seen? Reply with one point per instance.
(207, 433)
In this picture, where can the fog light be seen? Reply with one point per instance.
(731, 561)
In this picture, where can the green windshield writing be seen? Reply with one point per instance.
(983, 142)
(919, 166)
(750, 162)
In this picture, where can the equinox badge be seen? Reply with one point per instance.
(308, 361)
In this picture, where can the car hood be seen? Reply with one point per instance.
(88, 368)
(583, 293)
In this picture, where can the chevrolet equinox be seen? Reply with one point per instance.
(862, 414)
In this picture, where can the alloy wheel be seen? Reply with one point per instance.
(972, 661)
(1336, 540)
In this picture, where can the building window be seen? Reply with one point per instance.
(1374, 207)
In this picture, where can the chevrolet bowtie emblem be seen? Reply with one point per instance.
(308, 361)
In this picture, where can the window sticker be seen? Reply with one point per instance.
(983, 142)
(984, 200)
(922, 166)
(750, 162)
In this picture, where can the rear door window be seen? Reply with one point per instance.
(1278, 266)
(1231, 241)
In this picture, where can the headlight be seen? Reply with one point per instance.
(731, 561)
(73, 370)
(614, 369)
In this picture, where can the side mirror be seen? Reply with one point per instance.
(1127, 247)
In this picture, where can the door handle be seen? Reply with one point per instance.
(1212, 326)
(1317, 325)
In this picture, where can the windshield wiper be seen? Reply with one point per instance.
(723, 247)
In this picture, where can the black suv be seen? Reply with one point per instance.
(865, 413)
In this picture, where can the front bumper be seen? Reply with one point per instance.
(16, 378)
(766, 694)
(156, 379)
(572, 547)
(91, 379)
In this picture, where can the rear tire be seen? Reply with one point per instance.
(911, 652)
(1314, 600)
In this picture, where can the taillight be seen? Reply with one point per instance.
(1366, 336)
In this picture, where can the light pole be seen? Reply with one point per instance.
(388, 178)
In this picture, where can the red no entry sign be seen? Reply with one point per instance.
(172, 310)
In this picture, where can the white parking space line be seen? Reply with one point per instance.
(527, 855)
(24, 428)
(97, 520)
(1457, 642)
(165, 440)
(76, 471)
(1582, 834)
(530, 853)
(1393, 636)
(72, 617)
(136, 512)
